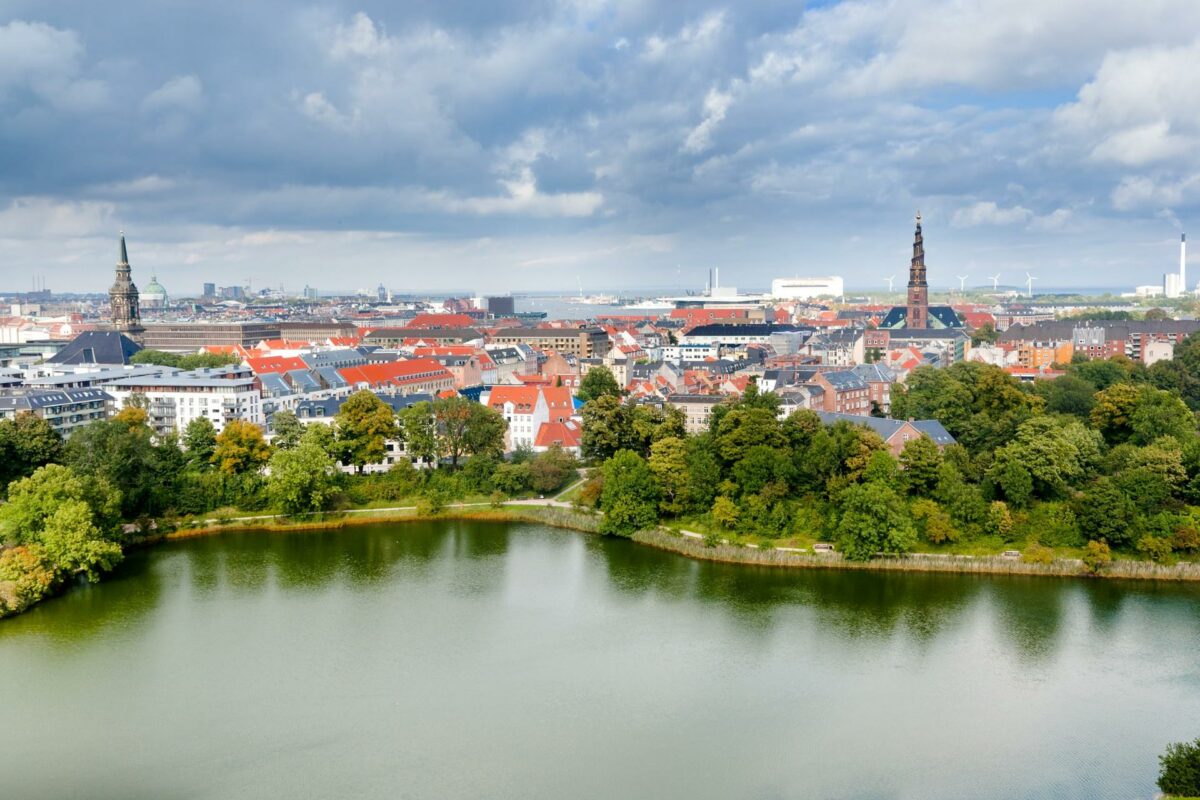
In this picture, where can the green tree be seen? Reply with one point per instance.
(921, 460)
(551, 470)
(1179, 769)
(873, 520)
(999, 520)
(26, 442)
(1105, 512)
(598, 382)
(606, 427)
(630, 497)
(364, 424)
(933, 523)
(1068, 394)
(725, 512)
(122, 451)
(287, 430)
(75, 545)
(302, 478)
(742, 428)
(1096, 557)
(669, 463)
(240, 448)
(188, 361)
(484, 434)
(419, 432)
(200, 442)
(512, 479)
(1112, 413)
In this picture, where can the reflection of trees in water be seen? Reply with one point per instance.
(83, 610)
(858, 603)
(1029, 613)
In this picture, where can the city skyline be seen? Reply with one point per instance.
(636, 145)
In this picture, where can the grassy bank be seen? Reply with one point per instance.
(674, 542)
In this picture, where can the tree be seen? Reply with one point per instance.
(630, 497)
(189, 361)
(1107, 513)
(200, 442)
(607, 428)
(598, 382)
(725, 512)
(1179, 769)
(668, 462)
(742, 428)
(551, 470)
(1113, 411)
(1010, 476)
(512, 479)
(301, 478)
(921, 460)
(999, 521)
(26, 442)
(417, 429)
(873, 520)
(1068, 394)
(933, 523)
(364, 424)
(287, 430)
(484, 435)
(240, 448)
(75, 545)
(125, 455)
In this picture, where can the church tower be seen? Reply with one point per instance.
(123, 299)
(918, 289)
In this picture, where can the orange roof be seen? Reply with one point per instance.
(265, 364)
(564, 434)
(523, 398)
(558, 398)
(395, 373)
(441, 321)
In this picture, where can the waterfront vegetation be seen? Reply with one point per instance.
(1102, 463)
(1179, 770)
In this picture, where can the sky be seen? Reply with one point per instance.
(448, 146)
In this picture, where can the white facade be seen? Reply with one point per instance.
(807, 288)
(177, 400)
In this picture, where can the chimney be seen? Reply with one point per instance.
(716, 277)
(1183, 263)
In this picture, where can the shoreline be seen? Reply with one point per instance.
(670, 541)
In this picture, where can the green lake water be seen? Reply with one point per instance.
(483, 660)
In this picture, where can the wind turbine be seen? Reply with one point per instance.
(889, 280)
(962, 283)
(996, 282)
(1029, 279)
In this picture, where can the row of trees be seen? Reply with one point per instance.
(67, 500)
(1096, 455)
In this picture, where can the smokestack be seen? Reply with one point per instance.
(1183, 263)
(716, 277)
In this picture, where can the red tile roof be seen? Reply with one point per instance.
(564, 434)
(441, 321)
(267, 364)
(396, 373)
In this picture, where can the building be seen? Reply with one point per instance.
(500, 306)
(97, 347)
(917, 314)
(724, 334)
(64, 409)
(189, 337)
(414, 376)
(806, 288)
(527, 409)
(581, 342)
(175, 398)
(123, 298)
(843, 392)
(318, 330)
(154, 295)
(697, 410)
(395, 337)
(895, 432)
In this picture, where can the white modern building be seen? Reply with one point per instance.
(221, 395)
(807, 288)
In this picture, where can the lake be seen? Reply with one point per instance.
(485, 660)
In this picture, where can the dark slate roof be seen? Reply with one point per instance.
(748, 329)
(328, 406)
(33, 399)
(939, 317)
(887, 428)
(875, 373)
(345, 357)
(273, 385)
(845, 380)
(97, 347)
(1114, 330)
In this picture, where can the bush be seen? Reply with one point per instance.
(725, 512)
(1186, 539)
(593, 489)
(934, 524)
(1157, 548)
(1097, 556)
(1179, 770)
(1037, 554)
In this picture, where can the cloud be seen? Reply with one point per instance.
(182, 93)
(32, 217)
(47, 62)
(716, 105)
(988, 213)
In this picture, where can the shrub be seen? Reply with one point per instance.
(999, 521)
(1179, 769)
(1157, 548)
(1037, 554)
(934, 524)
(1097, 556)
(725, 512)
(1186, 539)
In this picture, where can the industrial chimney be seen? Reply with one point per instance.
(1183, 285)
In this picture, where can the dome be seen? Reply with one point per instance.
(154, 295)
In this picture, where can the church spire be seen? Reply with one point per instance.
(918, 289)
(123, 297)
